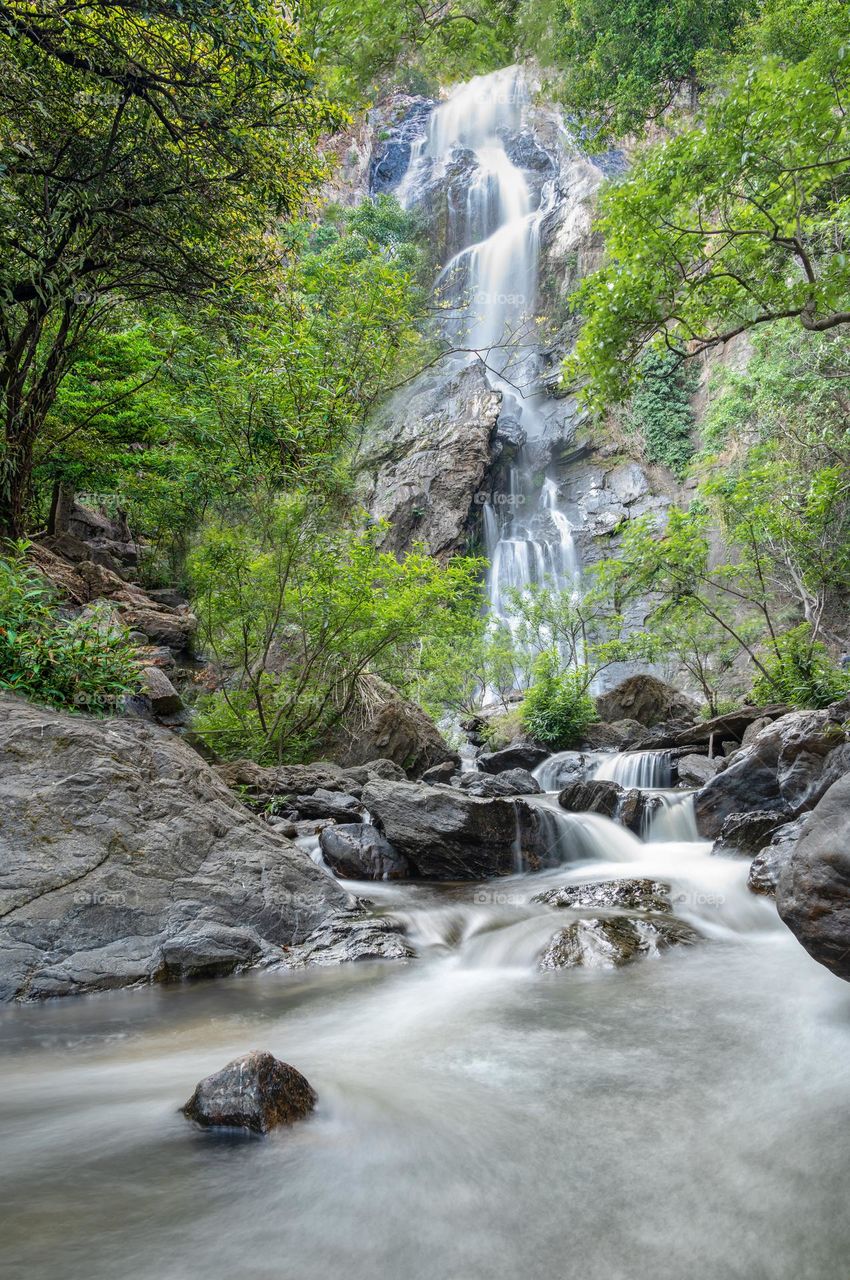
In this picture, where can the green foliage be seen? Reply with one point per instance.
(144, 156)
(738, 220)
(622, 62)
(85, 662)
(557, 708)
(800, 672)
(297, 612)
(364, 48)
(661, 411)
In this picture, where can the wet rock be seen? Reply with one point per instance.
(747, 833)
(210, 951)
(358, 851)
(158, 689)
(328, 804)
(255, 1092)
(636, 810)
(595, 796)
(813, 893)
(562, 768)
(645, 699)
(391, 153)
(444, 833)
(610, 943)
(519, 755)
(696, 771)
(786, 769)
(509, 433)
(440, 772)
(524, 151)
(120, 847)
(349, 937)
(604, 737)
(626, 895)
(709, 733)
(767, 866)
(511, 782)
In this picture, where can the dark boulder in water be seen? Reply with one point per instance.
(519, 755)
(255, 1092)
(595, 796)
(358, 851)
(510, 782)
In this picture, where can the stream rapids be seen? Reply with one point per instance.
(677, 1119)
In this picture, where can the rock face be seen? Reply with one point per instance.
(358, 851)
(813, 894)
(444, 833)
(389, 727)
(328, 804)
(645, 699)
(785, 769)
(125, 859)
(426, 458)
(747, 833)
(255, 1092)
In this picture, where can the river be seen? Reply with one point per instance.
(677, 1119)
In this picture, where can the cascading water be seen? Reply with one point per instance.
(645, 769)
(490, 287)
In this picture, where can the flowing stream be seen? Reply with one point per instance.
(681, 1117)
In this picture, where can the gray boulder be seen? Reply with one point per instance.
(519, 755)
(637, 923)
(383, 725)
(125, 859)
(358, 851)
(511, 782)
(348, 937)
(328, 804)
(785, 769)
(622, 895)
(444, 833)
(645, 699)
(255, 1092)
(160, 692)
(747, 833)
(768, 865)
(595, 796)
(696, 771)
(440, 772)
(813, 894)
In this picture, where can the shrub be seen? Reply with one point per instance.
(661, 412)
(85, 662)
(801, 672)
(557, 708)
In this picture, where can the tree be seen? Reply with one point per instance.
(739, 220)
(147, 147)
(296, 611)
(623, 62)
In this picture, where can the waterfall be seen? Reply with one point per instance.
(645, 769)
(674, 820)
(490, 285)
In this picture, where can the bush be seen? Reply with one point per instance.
(661, 412)
(801, 673)
(85, 662)
(557, 708)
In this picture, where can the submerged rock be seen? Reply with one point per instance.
(358, 851)
(351, 936)
(612, 940)
(628, 895)
(610, 943)
(813, 894)
(255, 1092)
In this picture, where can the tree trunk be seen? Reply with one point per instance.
(61, 506)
